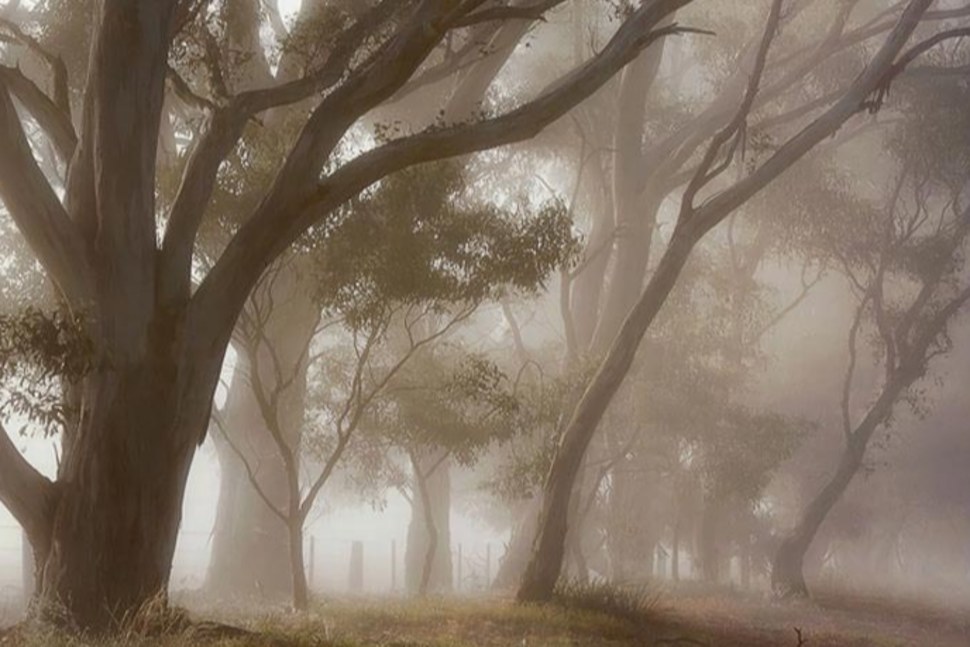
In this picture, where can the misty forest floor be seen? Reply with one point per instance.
(679, 620)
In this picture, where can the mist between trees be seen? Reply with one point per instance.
(663, 290)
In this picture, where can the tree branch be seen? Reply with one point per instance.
(24, 491)
(531, 12)
(52, 119)
(271, 230)
(854, 100)
(58, 69)
(250, 473)
(37, 211)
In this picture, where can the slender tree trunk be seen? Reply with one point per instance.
(517, 552)
(545, 565)
(428, 566)
(744, 555)
(708, 541)
(631, 524)
(250, 545)
(787, 577)
(432, 534)
(301, 590)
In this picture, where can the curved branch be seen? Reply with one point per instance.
(52, 119)
(270, 231)
(58, 69)
(535, 11)
(24, 491)
(854, 100)
(37, 211)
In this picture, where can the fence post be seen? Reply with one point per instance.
(355, 582)
(393, 565)
(313, 561)
(458, 587)
(488, 566)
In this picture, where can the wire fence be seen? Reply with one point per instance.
(378, 566)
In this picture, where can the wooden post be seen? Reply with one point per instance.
(355, 583)
(675, 552)
(393, 565)
(458, 586)
(745, 557)
(313, 562)
(488, 566)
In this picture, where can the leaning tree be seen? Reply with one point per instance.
(104, 531)
(905, 260)
(705, 202)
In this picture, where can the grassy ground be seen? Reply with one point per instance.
(681, 620)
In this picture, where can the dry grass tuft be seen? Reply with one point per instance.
(633, 603)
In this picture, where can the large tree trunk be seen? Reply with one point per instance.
(120, 486)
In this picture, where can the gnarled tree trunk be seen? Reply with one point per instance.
(118, 500)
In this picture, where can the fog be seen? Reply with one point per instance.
(485, 322)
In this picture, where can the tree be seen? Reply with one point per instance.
(245, 527)
(451, 406)
(105, 533)
(399, 270)
(905, 262)
(693, 222)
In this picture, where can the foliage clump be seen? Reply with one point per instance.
(39, 350)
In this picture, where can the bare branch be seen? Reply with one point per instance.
(61, 96)
(250, 473)
(531, 12)
(52, 119)
(25, 492)
(37, 211)
(270, 231)
(734, 132)
(853, 100)
(908, 57)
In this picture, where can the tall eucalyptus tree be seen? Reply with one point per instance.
(104, 532)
